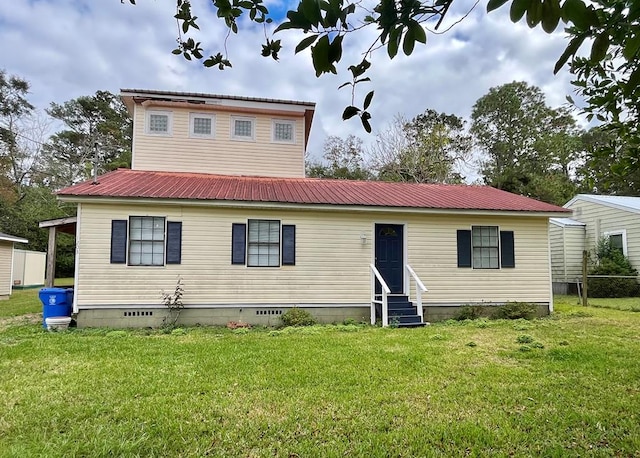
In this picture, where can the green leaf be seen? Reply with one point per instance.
(631, 46)
(633, 82)
(177, 51)
(419, 33)
(576, 12)
(409, 42)
(311, 11)
(573, 46)
(367, 100)
(350, 112)
(600, 47)
(518, 8)
(335, 49)
(305, 43)
(320, 56)
(365, 121)
(550, 15)
(495, 4)
(394, 42)
(570, 100)
(534, 13)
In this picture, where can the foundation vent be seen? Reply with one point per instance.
(268, 312)
(139, 313)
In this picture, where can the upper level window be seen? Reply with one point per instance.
(283, 131)
(485, 247)
(201, 125)
(242, 128)
(158, 122)
(146, 241)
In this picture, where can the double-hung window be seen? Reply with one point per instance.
(486, 247)
(146, 241)
(242, 128)
(283, 131)
(263, 247)
(201, 125)
(263, 243)
(158, 122)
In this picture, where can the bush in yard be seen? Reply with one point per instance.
(298, 317)
(611, 261)
(469, 312)
(515, 311)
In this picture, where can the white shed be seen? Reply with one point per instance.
(6, 262)
(28, 268)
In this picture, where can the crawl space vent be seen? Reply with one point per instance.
(139, 313)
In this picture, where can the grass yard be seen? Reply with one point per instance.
(631, 304)
(562, 386)
(23, 301)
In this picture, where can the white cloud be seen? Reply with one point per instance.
(69, 48)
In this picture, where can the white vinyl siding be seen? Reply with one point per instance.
(283, 131)
(6, 255)
(332, 263)
(158, 122)
(243, 128)
(222, 156)
(146, 241)
(485, 247)
(601, 220)
(263, 243)
(201, 125)
(567, 245)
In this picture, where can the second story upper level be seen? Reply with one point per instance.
(205, 133)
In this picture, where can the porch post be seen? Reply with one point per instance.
(51, 258)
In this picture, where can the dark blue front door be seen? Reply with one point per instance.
(389, 256)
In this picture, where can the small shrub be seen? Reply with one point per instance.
(515, 311)
(524, 339)
(349, 321)
(611, 261)
(298, 317)
(469, 312)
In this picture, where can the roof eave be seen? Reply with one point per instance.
(304, 206)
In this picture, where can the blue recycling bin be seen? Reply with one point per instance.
(55, 302)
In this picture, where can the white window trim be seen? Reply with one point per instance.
(242, 138)
(473, 266)
(192, 117)
(283, 121)
(164, 241)
(623, 233)
(279, 244)
(169, 115)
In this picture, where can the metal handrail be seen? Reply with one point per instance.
(420, 288)
(385, 293)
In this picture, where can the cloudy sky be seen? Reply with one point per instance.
(70, 48)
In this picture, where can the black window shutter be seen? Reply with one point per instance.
(174, 242)
(238, 243)
(507, 252)
(118, 241)
(288, 245)
(464, 248)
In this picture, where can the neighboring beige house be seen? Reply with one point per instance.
(6, 262)
(217, 197)
(594, 217)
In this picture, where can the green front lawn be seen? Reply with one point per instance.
(562, 386)
(24, 301)
(631, 304)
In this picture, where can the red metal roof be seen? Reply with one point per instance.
(124, 183)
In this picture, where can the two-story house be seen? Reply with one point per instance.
(217, 197)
